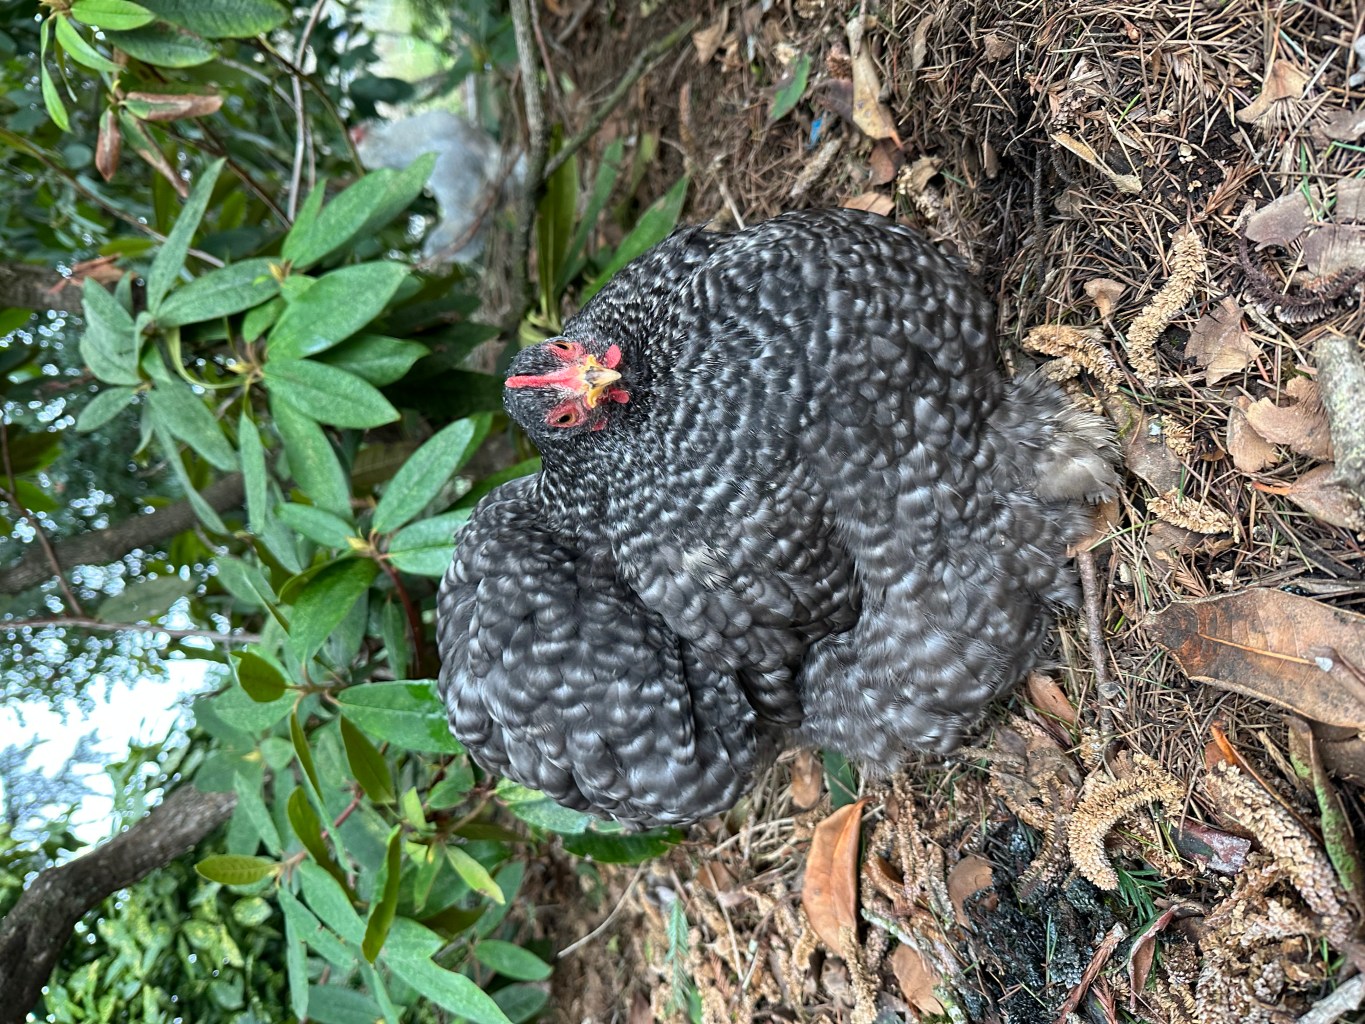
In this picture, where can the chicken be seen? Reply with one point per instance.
(786, 496)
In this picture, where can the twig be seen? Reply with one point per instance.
(85, 622)
(642, 64)
(12, 496)
(610, 917)
(1094, 634)
(301, 133)
(1102, 954)
(537, 147)
(414, 617)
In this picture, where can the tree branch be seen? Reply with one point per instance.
(34, 932)
(537, 147)
(100, 547)
(28, 286)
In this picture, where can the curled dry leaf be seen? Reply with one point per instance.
(808, 774)
(1280, 222)
(1319, 493)
(914, 179)
(1301, 424)
(830, 892)
(968, 877)
(1345, 125)
(917, 978)
(998, 46)
(1350, 208)
(872, 202)
(1284, 82)
(1143, 444)
(1250, 452)
(1291, 651)
(707, 40)
(870, 114)
(1105, 293)
(1333, 249)
(1220, 344)
(1048, 698)
(883, 163)
(108, 145)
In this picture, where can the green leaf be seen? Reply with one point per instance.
(407, 714)
(535, 808)
(405, 186)
(383, 911)
(252, 806)
(244, 582)
(251, 912)
(163, 45)
(52, 99)
(654, 225)
(335, 1004)
(521, 1002)
(180, 412)
(352, 211)
(330, 902)
(303, 753)
(425, 548)
(221, 19)
(839, 779)
(261, 318)
(375, 358)
(367, 765)
(792, 89)
(327, 394)
(408, 954)
(241, 712)
(297, 923)
(262, 680)
(554, 226)
(451, 790)
(607, 173)
(231, 869)
(312, 459)
(303, 223)
(326, 600)
(317, 524)
(254, 476)
(524, 468)
(511, 961)
(308, 827)
(338, 304)
(429, 469)
(219, 293)
(80, 51)
(104, 407)
(621, 849)
(202, 508)
(110, 344)
(170, 259)
(397, 644)
(111, 15)
(411, 807)
(145, 600)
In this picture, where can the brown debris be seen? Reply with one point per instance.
(1300, 425)
(1188, 266)
(1105, 801)
(1220, 344)
(1083, 348)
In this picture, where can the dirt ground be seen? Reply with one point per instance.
(1168, 203)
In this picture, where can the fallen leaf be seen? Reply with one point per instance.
(1281, 221)
(1345, 758)
(886, 159)
(1144, 950)
(872, 202)
(1350, 208)
(1105, 293)
(808, 774)
(1144, 448)
(1220, 344)
(706, 41)
(1283, 81)
(1337, 839)
(1219, 851)
(917, 979)
(919, 43)
(1290, 651)
(914, 179)
(1345, 125)
(967, 878)
(1048, 698)
(1250, 452)
(870, 114)
(830, 891)
(1129, 183)
(1333, 248)
(1301, 425)
(996, 46)
(1319, 493)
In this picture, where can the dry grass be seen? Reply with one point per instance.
(1072, 142)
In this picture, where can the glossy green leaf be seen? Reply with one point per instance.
(238, 710)
(608, 170)
(383, 910)
(262, 680)
(397, 638)
(511, 961)
(326, 600)
(205, 512)
(330, 902)
(219, 293)
(52, 98)
(426, 547)
(317, 524)
(336, 1004)
(312, 459)
(411, 807)
(405, 186)
(621, 849)
(654, 225)
(231, 869)
(183, 414)
(308, 827)
(374, 358)
(254, 473)
(79, 50)
(326, 394)
(521, 1002)
(221, 19)
(537, 809)
(110, 344)
(252, 807)
(338, 305)
(451, 790)
(145, 600)
(427, 471)
(111, 15)
(367, 765)
(408, 954)
(104, 407)
(303, 753)
(261, 318)
(169, 260)
(297, 923)
(407, 714)
(793, 88)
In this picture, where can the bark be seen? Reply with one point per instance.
(100, 547)
(34, 933)
(1341, 376)
(33, 287)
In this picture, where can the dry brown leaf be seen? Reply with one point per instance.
(917, 978)
(1250, 452)
(1143, 445)
(1105, 293)
(1300, 425)
(1283, 82)
(1281, 221)
(1211, 847)
(1219, 343)
(830, 892)
(997, 46)
(1129, 183)
(1048, 698)
(1291, 651)
(1345, 125)
(914, 179)
(870, 114)
(1321, 495)
(807, 779)
(967, 878)
(1333, 248)
(103, 269)
(1345, 758)
(108, 145)
(872, 202)
(883, 163)
(707, 40)
(1350, 208)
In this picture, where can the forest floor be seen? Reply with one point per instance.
(1167, 202)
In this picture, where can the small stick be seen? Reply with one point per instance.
(1104, 684)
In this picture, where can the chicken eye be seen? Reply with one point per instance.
(561, 346)
(564, 418)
